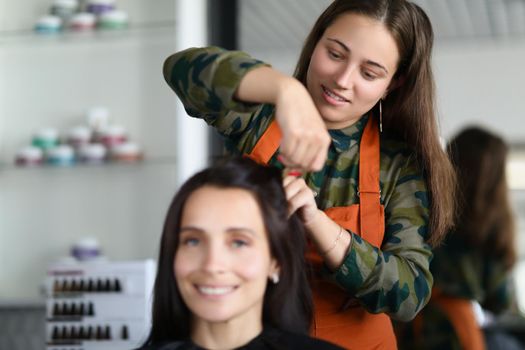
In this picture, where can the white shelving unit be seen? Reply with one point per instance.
(52, 80)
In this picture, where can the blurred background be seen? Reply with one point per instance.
(94, 83)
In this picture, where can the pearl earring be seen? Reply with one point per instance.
(274, 277)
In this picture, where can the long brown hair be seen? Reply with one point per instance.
(288, 304)
(484, 217)
(409, 107)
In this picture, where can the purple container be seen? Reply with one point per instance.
(99, 8)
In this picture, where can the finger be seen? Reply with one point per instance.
(292, 186)
(299, 200)
(319, 159)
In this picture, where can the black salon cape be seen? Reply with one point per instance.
(269, 339)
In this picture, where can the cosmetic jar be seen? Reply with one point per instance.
(83, 21)
(97, 119)
(62, 155)
(29, 156)
(86, 249)
(114, 19)
(113, 135)
(93, 153)
(79, 136)
(126, 152)
(64, 9)
(99, 7)
(45, 138)
(48, 24)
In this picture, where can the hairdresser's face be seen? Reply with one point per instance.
(351, 68)
(223, 260)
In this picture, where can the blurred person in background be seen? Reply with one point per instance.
(473, 265)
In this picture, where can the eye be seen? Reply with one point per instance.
(368, 75)
(190, 241)
(239, 243)
(335, 55)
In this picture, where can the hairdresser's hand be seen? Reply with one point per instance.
(300, 199)
(305, 138)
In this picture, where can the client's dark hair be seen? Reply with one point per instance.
(287, 304)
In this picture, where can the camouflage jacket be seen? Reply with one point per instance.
(394, 279)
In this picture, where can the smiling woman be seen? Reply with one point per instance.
(231, 267)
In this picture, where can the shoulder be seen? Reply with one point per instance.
(288, 340)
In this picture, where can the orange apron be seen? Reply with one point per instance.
(339, 318)
(461, 314)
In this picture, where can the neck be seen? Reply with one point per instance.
(229, 334)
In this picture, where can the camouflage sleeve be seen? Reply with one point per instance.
(498, 287)
(205, 80)
(396, 278)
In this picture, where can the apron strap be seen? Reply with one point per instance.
(369, 191)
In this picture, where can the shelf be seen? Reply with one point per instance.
(164, 29)
(84, 167)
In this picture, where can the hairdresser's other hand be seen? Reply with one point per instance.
(300, 199)
(305, 139)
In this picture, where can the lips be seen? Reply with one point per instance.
(332, 96)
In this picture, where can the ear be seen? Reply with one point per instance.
(274, 268)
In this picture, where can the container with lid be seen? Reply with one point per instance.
(126, 152)
(79, 136)
(45, 138)
(113, 135)
(48, 24)
(93, 153)
(29, 156)
(83, 21)
(99, 7)
(97, 119)
(86, 248)
(64, 9)
(114, 19)
(62, 155)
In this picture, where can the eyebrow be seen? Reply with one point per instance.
(347, 49)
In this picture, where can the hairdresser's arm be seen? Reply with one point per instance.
(205, 79)
(395, 278)
(305, 138)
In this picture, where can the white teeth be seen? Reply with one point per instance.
(215, 290)
(332, 95)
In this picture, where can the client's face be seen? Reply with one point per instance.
(223, 260)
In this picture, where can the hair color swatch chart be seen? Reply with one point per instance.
(98, 305)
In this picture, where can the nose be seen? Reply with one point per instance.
(344, 77)
(214, 259)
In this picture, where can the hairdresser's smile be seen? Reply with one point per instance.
(333, 98)
(223, 260)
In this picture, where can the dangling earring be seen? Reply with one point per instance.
(380, 115)
(274, 277)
